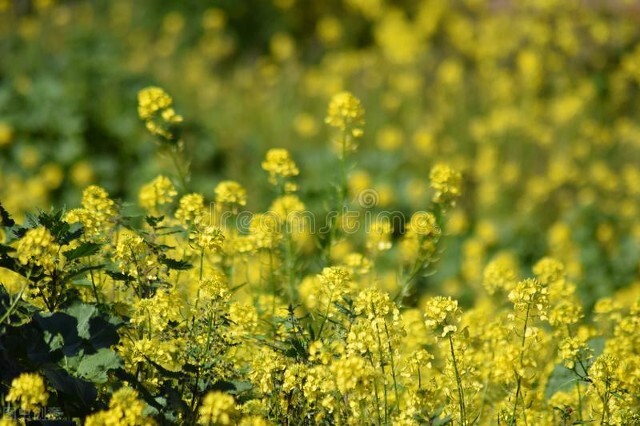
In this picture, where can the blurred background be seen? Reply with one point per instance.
(536, 101)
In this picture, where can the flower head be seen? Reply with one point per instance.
(346, 113)
(207, 238)
(447, 182)
(29, 391)
(532, 296)
(379, 235)
(217, 408)
(154, 108)
(230, 192)
(424, 223)
(125, 409)
(156, 193)
(279, 164)
(191, 209)
(38, 247)
(265, 230)
(443, 313)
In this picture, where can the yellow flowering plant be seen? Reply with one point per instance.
(174, 312)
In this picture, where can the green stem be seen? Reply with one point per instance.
(290, 266)
(201, 263)
(14, 304)
(463, 419)
(375, 392)
(393, 365)
(326, 313)
(579, 402)
(384, 384)
(342, 196)
(182, 175)
(519, 378)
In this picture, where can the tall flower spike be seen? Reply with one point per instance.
(346, 114)
(279, 164)
(447, 182)
(155, 109)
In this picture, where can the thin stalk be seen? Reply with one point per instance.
(384, 385)
(201, 263)
(290, 266)
(95, 289)
(14, 304)
(182, 175)
(519, 379)
(342, 195)
(375, 392)
(579, 402)
(326, 313)
(463, 417)
(393, 366)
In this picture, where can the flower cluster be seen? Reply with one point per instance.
(157, 193)
(271, 324)
(447, 183)
(279, 164)
(125, 408)
(97, 215)
(39, 248)
(155, 109)
(231, 193)
(346, 114)
(29, 391)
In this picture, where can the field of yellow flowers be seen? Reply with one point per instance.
(320, 212)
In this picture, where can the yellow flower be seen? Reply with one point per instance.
(191, 209)
(346, 112)
(156, 193)
(500, 273)
(532, 296)
(447, 183)
(335, 280)
(287, 208)
(152, 100)
(266, 230)
(279, 164)
(230, 192)
(424, 223)
(154, 108)
(442, 312)
(217, 409)
(548, 270)
(125, 409)
(98, 213)
(379, 235)
(38, 247)
(29, 391)
(208, 238)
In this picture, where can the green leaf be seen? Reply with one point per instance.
(83, 250)
(83, 314)
(95, 367)
(75, 273)
(179, 265)
(5, 217)
(119, 276)
(153, 221)
(560, 379)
